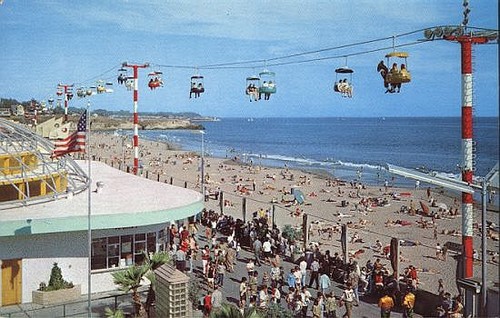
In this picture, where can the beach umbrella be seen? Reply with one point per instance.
(425, 208)
(299, 196)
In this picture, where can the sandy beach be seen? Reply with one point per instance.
(371, 212)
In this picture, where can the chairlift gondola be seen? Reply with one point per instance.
(122, 76)
(343, 85)
(267, 84)
(100, 87)
(197, 86)
(129, 83)
(155, 80)
(394, 77)
(252, 87)
(81, 92)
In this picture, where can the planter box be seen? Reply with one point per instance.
(46, 298)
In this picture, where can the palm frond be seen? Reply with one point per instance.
(129, 278)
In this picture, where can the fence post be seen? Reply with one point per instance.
(274, 212)
(221, 202)
(244, 209)
(304, 230)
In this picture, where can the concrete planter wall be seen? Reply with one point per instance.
(46, 298)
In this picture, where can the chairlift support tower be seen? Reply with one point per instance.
(466, 38)
(66, 89)
(136, 68)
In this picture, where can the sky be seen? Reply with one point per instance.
(46, 42)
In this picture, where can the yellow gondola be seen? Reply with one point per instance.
(395, 75)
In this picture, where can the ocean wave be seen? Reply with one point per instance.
(301, 161)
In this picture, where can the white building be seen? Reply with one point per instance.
(45, 210)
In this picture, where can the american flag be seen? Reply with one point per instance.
(74, 142)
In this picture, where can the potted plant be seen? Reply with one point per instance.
(57, 291)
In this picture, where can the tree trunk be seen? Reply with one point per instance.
(150, 300)
(139, 308)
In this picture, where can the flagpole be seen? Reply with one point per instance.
(89, 228)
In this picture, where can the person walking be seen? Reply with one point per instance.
(408, 304)
(330, 306)
(386, 303)
(257, 248)
(207, 305)
(314, 273)
(243, 290)
(216, 300)
(303, 271)
(347, 300)
(324, 282)
(316, 309)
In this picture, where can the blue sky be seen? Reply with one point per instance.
(48, 42)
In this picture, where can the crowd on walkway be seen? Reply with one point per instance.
(305, 287)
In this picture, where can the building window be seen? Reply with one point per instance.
(121, 251)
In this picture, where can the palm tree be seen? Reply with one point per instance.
(130, 280)
(228, 310)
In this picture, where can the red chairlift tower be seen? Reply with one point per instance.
(67, 89)
(136, 68)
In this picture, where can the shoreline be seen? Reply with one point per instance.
(323, 205)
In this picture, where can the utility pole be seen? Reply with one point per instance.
(136, 68)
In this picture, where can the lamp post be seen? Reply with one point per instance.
(89, 213)
(202, 170)
(489, 179)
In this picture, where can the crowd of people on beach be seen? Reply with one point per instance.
(306, 287)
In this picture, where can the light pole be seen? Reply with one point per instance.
(202, 170)
(89, 214)
(489, 179)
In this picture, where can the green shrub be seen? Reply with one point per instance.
(56, 281)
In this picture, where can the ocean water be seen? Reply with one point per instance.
(347, 148)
